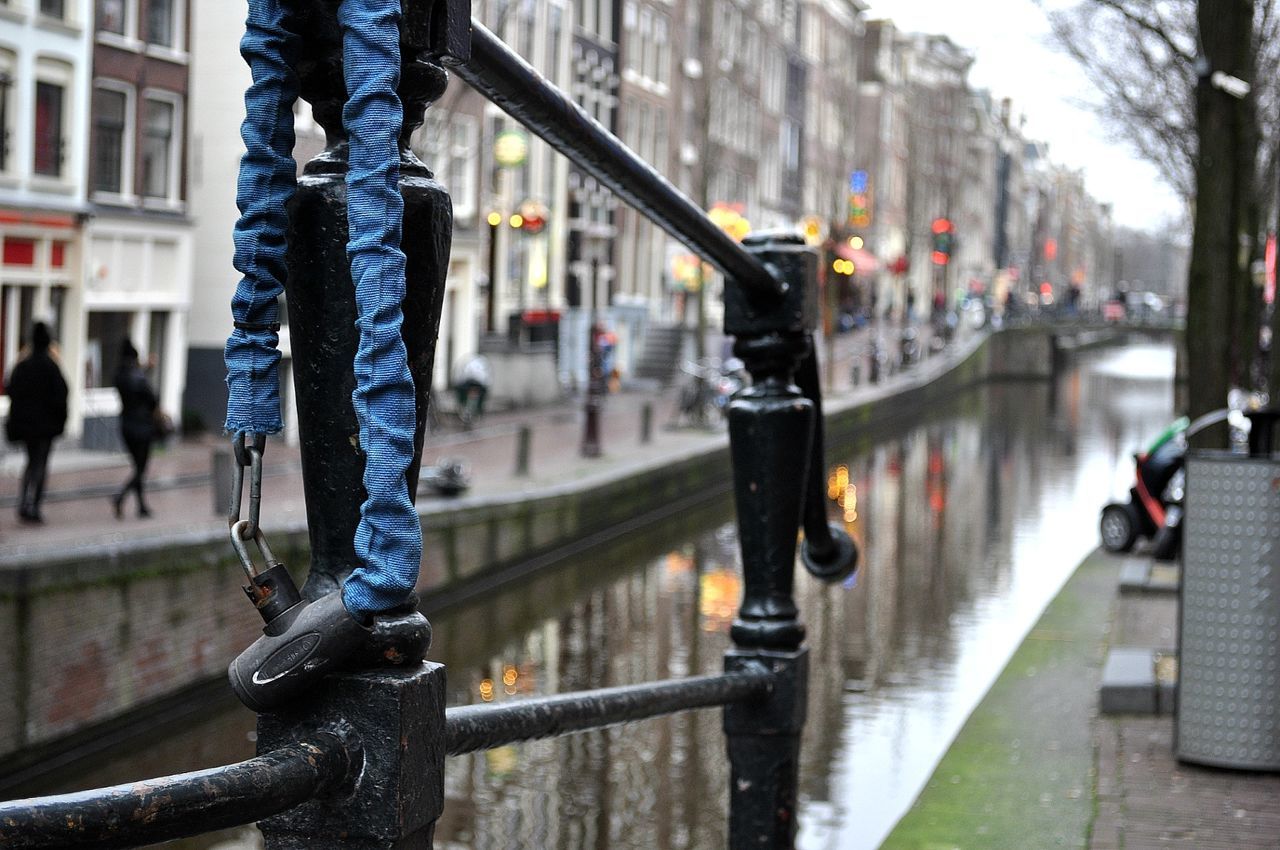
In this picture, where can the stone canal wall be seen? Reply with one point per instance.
(94, 636)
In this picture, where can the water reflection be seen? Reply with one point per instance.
(969, 522)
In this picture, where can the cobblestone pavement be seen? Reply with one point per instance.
(1147, 800)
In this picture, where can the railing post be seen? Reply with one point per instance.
(770, 433)
(394, 705)
(396, 715)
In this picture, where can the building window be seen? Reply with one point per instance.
(110, 125)
(789, 141)
(106, 331)
(112, 16)
(17, 312)
(157, 344)
(19, 251)
(160, 23)
(53, 8)
(48, 129)
(660, 40)
(6, 111)
(450, 147)
(159, 149)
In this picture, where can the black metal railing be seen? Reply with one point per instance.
(187, 804)
(361, 764)
(485, 727)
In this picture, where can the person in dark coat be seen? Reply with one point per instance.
(138, 404)
(37, 414)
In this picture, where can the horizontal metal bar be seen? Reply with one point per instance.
(483, 727)
(178, 806)
(501, 75)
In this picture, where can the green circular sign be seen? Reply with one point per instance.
(510, 148)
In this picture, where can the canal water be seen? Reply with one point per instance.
(970, 519)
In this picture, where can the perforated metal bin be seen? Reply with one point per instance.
(1229, 655)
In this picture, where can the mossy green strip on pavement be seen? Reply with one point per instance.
(1020, 775)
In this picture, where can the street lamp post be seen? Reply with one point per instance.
(491, 296)
(595, 372)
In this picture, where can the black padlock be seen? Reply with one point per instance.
(297, 648)
(301, 641)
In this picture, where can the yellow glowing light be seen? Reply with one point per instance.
(486, 690)
(856, 243)
(516, 221)
(494, 219)
(813, 230)
(509, 676)
(538, 265)
(721, 595)
(730, 220)
(510, 148)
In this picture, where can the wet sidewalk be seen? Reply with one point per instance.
(79, 515)
(78, 507)
(1037, 765)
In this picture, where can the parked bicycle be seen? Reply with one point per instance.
(705, 397)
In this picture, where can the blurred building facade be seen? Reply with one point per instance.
(118, 166)
(139, 246)
(46, 63)
(882, 155)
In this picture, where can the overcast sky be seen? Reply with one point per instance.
(1014, 58)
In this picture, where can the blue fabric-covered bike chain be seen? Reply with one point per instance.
(389, 537)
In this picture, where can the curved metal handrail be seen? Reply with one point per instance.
(185, 804)
(502, 76)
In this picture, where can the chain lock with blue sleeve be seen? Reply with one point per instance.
(303, 640)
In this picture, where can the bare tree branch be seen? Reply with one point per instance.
(1141, 57)
(1157, 28)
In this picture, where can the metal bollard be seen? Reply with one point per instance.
(856, 375)
(221, 468)
(646, 423)
(524, 437)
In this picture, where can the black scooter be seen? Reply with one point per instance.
(1154, 509)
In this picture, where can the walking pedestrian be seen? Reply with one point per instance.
(37, 413)
(471, 386)
(137, 425)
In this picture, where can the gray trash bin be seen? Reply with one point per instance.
(1229, 653)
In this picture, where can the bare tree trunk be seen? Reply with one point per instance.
(1220, 341)
(1272, 361)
